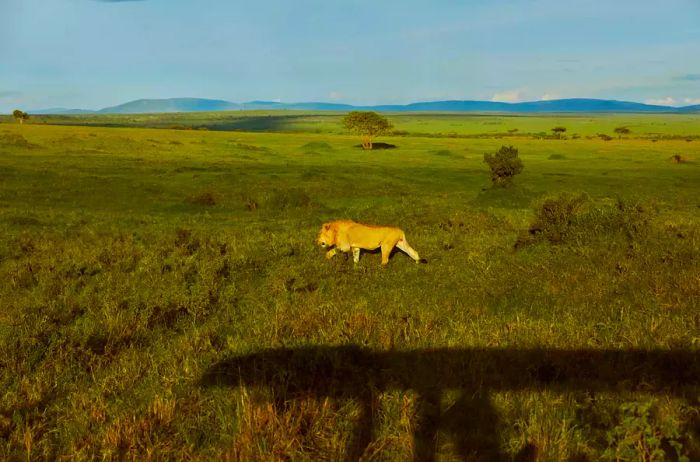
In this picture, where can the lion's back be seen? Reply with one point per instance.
(371, 236)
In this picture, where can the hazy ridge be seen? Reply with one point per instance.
(169, 105)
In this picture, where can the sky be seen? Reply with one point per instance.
(92, 54)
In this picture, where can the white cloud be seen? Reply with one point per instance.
(691, 100)
(549, 97)
(509, 96)
(668, 101)
(334, 95)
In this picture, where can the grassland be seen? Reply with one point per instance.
(136, 261)
(455, 125)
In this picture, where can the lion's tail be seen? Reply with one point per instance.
(410, 251)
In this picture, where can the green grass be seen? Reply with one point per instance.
(646, 126)
(133, 260)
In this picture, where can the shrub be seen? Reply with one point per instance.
(630, 219)
(250, 204)
(571, 218)
(504, 165)
(622, 131)
(604, 137)
(555, 216)
(559, 131)
(677, 159)
(641, 436)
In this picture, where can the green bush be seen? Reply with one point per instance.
(641, 436)
(504, 165)
(555, 216)
(575, 218)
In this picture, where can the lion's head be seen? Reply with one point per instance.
(326, 237)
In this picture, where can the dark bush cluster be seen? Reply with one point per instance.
(504, 165)
(559, 132)
(574, 218)
(555, 216)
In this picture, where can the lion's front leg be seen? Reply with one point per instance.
(356, 254)
(331, 252)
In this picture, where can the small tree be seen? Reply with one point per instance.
(622, 131)
(367, 124)
(559, 131)
(20, 116)
(504, 165)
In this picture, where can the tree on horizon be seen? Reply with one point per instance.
(622, 131)
(367, 124)
(20, 116)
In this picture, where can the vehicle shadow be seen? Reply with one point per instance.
(352, 372)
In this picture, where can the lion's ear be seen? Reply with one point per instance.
(327, 226)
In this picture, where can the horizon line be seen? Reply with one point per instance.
(280, 102)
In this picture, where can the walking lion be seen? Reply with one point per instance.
(346, 235)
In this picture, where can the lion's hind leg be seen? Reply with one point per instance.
(387, 247)
(410, 251)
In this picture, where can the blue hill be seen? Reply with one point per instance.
(171, 105)
(573, 105)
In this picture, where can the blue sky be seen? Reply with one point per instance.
(96, 53)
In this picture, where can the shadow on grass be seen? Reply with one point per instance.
(378, 146)
(266, 123)
(352, 372)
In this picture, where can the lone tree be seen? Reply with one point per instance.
(20, 115)
(504, 165)
(559, 131)
(367, 124)
(622, 131)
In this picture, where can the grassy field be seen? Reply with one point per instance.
(644, 126)
(163, 297)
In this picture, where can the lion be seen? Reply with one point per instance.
(346, 235)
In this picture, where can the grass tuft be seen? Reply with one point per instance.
(206, 198)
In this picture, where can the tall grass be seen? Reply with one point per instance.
(133, 261)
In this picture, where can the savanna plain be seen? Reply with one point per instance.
(162, 296)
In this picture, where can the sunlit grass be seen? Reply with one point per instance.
(133, 259)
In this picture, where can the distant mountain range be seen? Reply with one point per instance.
(142, 106)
